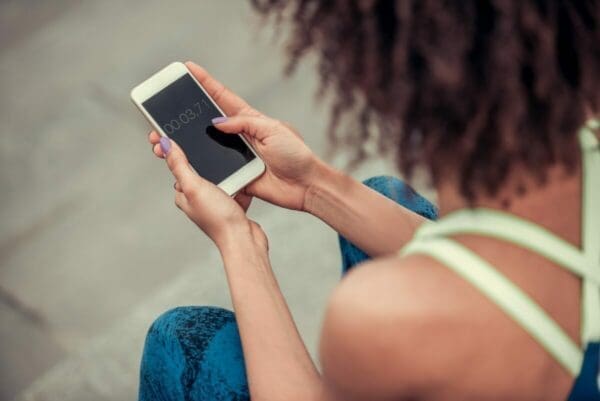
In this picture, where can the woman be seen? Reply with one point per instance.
(497, 300)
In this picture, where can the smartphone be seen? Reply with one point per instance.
(177, 106)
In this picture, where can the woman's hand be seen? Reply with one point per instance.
(291, 167)
(221, 217)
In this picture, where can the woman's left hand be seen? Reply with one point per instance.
(214, 212)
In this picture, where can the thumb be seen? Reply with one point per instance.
(178, 163)
(256, 127)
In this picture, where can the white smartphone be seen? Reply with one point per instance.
(177, 106)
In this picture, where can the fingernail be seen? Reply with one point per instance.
(165, 145)
(219, 120)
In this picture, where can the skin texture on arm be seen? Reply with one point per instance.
(277, 362)
(374, 223)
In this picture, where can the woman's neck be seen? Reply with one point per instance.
(555, 206)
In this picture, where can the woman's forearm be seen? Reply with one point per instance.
(374, 223)
(277, 363)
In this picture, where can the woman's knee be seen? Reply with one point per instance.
(181, 322)
(193, 352)
(403, 194)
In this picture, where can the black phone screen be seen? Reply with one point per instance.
(184, 113)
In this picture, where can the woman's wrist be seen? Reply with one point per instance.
(327, 180)
(242, 238)
(232, 234)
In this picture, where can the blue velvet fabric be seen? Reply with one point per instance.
(194, 353)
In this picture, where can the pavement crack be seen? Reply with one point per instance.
(57, 213)
(27, 312)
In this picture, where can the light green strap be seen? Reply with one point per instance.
(510, 298)
(585, 264)
(590, 305)
(509, 228)
(591, 194)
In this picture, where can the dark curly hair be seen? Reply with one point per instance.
(471, 88)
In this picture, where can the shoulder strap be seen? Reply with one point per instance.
(590, 149)
(585, 263)
(590, 297)
(429, 240)
(510, 298)
(507, 227)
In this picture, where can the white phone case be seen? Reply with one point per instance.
(236, 181)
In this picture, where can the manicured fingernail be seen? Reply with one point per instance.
(165, 145)
(219, 120)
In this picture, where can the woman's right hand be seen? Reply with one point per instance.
(291, 167)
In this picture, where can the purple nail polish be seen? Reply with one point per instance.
(165, 145)
(219, 120)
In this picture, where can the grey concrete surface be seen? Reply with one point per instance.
(91, 245)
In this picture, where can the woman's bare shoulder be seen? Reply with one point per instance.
(398, 326)
(401, 288)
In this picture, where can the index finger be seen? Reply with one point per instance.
(231, 103)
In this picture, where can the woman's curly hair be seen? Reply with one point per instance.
(471, 88)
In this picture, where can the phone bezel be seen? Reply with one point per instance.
(233, 183)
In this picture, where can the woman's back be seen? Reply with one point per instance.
(462, 341)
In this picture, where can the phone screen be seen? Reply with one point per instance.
(184, 113)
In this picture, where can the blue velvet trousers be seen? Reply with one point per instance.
(194, 353)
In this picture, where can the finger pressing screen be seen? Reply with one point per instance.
(255, 127)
